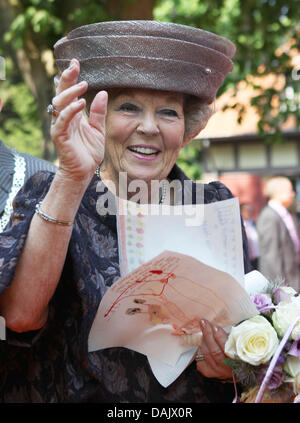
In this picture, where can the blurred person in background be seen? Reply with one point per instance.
(278, 234)
(247, 211)
(15, 169)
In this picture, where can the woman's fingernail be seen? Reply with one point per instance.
(72, 64)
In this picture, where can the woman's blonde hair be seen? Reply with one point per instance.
(196, 115)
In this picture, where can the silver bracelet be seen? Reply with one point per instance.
(50, 219)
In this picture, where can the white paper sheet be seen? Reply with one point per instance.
(255, 282)
(167, 374)
(215, 238)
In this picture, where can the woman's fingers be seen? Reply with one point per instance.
(69, 76)
(67, 89)
(98, 111)
(212, 366)
(214, 336)
(220, 337)
(64, 118)
(212, 348)
(69, 95)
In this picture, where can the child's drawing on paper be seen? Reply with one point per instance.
(157, 313)
(151, 289)
(166, 293)
(159, 308)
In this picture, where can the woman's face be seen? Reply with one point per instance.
(144, 134)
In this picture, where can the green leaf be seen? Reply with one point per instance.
(231, 363)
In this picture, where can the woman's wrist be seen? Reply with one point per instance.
(73, 182)
(63, 198)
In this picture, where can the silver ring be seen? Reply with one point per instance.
(52, 110)
(199, 357)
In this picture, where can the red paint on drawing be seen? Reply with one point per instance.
(164, 281)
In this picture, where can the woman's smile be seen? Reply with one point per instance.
(144, 152)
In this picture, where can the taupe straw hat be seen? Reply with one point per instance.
(148, 54)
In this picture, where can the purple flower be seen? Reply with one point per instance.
(276, 379)
(295, 348)
(263, 302)
(283, 294)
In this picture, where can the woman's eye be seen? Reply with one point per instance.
(128, 107)
(169, 112)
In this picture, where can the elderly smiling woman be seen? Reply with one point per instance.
(59, 256)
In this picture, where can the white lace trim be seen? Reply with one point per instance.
(18, 182)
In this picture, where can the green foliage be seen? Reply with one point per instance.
(37, 15)
(190, 159)
(51, 19)
(258, 28)
(20, 127)
(246, 374)
(91, 12)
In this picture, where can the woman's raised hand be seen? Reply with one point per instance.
(79, 140)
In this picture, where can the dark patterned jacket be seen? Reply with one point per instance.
(53, 364)
(15, 169)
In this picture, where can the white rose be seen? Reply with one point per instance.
(292, 367)
(253, 341)
(284, 315)
(288, 290)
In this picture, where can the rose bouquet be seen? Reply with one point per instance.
(264, 351)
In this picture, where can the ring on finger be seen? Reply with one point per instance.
(199, 356)
(52, 110)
